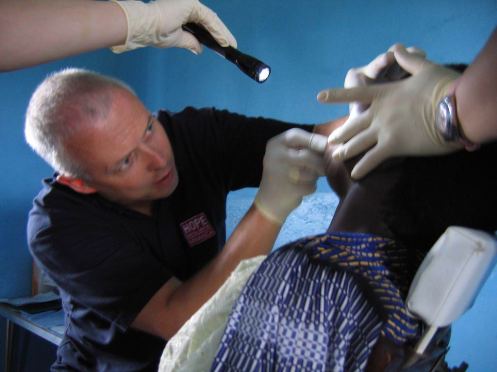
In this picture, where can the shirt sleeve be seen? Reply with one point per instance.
(99, 265)
(237, 143)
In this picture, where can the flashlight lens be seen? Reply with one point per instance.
(263, 74)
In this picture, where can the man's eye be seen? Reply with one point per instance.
(126, 163)
(150, 127)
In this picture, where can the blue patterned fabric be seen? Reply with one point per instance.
(381, 264)
(319, 304)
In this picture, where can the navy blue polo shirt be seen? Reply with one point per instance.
(108, 261)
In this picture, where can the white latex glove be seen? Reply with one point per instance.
(382, 69)
(400, 119)
(292, 164)
(158, 23)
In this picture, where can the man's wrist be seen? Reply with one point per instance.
(447, 121)
(260, 207)
(468, 144)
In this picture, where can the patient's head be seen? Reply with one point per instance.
(436, 192)
(414, 200)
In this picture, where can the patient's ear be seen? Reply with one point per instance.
(77, 184)
(337, 174)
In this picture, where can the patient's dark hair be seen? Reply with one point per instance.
(433, 193)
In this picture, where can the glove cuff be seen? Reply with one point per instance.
(267, 212)
(143, 23)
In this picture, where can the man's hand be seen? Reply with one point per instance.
(158, 23)
(292, 164)
(391, 119)
(382, 69)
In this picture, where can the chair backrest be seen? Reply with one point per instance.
(450, 278)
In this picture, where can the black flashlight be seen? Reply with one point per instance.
(251, 66)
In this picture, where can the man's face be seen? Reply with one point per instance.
(127, 155)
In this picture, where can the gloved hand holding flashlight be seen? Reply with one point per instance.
(158, 23)
(393, 119)
(292, 164)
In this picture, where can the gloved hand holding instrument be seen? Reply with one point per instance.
(292, 164)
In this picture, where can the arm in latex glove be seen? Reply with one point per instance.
(159, 22)
(400, 116)
(292, 164)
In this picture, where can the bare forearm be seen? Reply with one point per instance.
(37, 31)
(476, 95)
(255, 235)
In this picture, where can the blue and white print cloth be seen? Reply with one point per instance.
(319, 304)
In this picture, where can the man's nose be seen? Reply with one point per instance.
(155, 159)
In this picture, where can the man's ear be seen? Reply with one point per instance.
(77, 184)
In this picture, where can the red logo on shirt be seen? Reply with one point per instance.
(197, 229)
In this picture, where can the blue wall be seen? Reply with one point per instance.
(309, 44)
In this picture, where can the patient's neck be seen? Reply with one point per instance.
(362, 209)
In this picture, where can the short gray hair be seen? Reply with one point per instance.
(57, 107)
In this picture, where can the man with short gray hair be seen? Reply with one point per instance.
(131, 225)
(59, 105)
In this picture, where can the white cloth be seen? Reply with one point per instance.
(194, 346)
